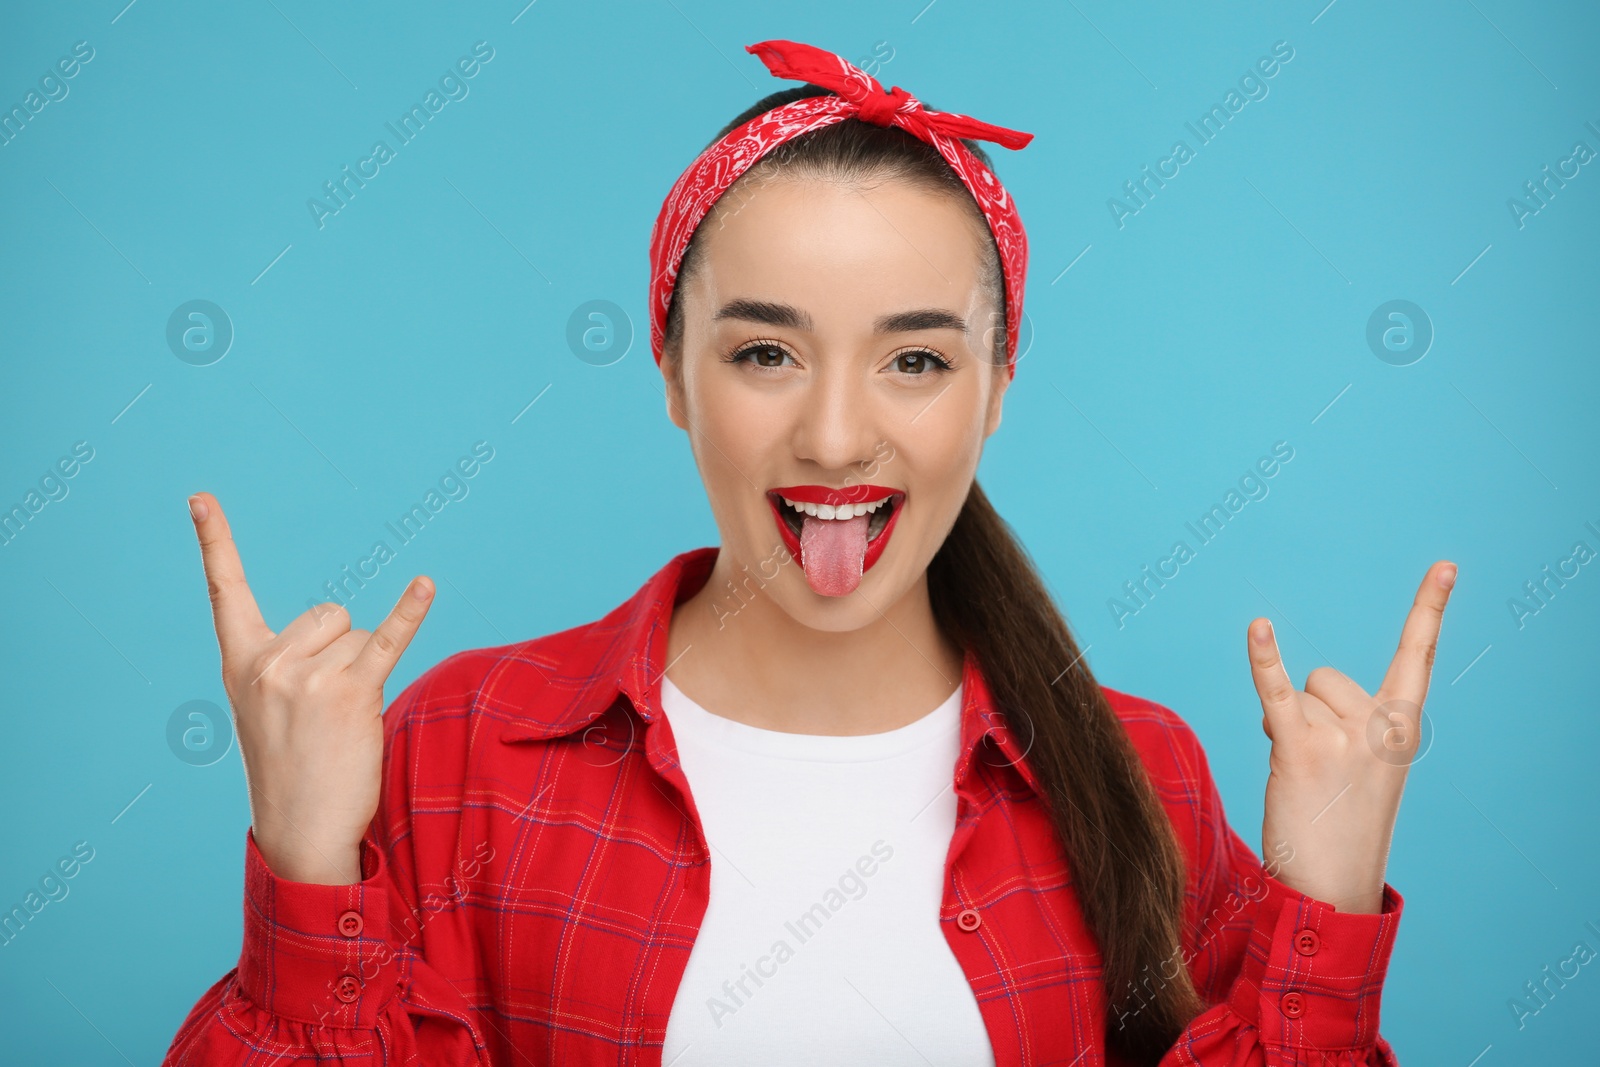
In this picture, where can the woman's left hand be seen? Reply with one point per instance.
(1339, 757)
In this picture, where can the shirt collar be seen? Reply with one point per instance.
(564, 682)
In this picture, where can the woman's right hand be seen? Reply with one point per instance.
(308, 708)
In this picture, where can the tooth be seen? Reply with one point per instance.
(871, 507)
(796, 505)
(824, 511)
(810, 509)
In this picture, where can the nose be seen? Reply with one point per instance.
(836, 426)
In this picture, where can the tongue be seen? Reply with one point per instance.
(832, 550)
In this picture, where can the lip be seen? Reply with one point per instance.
(851, 494)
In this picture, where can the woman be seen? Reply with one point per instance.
(721, 825)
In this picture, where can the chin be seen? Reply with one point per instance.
(842, 614)
(881, 586)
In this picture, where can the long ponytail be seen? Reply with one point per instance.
(1128, 870)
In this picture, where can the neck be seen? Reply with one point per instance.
(743, 657)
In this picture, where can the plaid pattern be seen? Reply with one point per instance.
(536, 876)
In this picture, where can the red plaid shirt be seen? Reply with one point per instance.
(536, 875)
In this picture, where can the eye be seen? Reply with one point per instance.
(920, 361)
(761, 354)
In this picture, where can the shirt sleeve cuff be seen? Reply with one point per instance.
(1313, 976)
(318, 954)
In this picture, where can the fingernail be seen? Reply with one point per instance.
(197, 508)
(1447, 577)
(1262, 634)
(421, 589)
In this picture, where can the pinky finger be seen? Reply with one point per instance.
(384, 648)
(1282, 716)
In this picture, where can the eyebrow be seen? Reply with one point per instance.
(771, 313)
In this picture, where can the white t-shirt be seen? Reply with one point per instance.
(821, 942)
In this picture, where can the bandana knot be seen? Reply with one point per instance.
(880, 106)
(875, 104)
(853, 93)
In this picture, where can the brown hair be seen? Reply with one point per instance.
(1127, 867)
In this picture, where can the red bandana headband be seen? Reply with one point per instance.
(859, 96)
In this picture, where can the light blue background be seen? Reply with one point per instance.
(1228, 314)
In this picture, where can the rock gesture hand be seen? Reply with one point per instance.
(308, 707)
(1339, 757)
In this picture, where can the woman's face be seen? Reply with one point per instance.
(838, 338)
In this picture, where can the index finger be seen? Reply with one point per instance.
(233, 607)
(1407, 678)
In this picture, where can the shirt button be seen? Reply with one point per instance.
(347, 988)
(969, 920)
(1293, 1005)
(350, 924)
(1306, 942)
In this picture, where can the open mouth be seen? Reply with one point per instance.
(805, 514)
(878, 512)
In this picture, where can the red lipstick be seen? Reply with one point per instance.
(821, 494)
